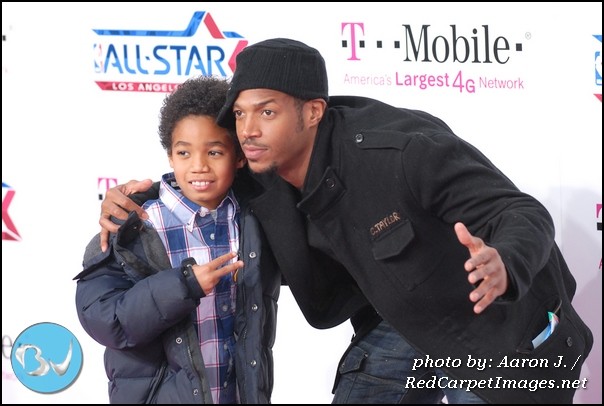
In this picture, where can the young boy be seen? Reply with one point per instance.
(170, 325)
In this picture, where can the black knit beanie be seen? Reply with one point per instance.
(280, 64)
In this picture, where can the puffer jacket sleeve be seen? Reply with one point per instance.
(123, 301)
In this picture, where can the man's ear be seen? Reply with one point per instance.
(317, 109)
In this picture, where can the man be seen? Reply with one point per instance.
(385, 217)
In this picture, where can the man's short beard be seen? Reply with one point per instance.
(271, 170)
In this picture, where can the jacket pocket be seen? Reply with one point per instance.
(397, 253)
(353, 361)
(155, 383)
(392, 242)
(562, 354)
(539, 323)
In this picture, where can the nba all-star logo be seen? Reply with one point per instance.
(9, 231)
(135, 60)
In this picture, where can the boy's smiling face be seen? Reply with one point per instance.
(204, 160)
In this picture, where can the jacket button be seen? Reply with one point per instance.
(569, 341)
(195, 392)
(178, 340)
(253, 362)
(254, 307)
(330, 183)
(358, 138)
(252, 254)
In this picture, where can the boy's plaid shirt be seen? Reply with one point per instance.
(190, 230)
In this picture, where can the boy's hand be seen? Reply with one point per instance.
(208, 275)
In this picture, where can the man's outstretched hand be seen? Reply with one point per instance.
(485, 268)
(117, 204)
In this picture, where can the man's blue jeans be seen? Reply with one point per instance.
(375, 370)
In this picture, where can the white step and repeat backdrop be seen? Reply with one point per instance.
(82, 84)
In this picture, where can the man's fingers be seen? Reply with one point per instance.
(104, 240)
(105, 233)
(466, 239)
(475, 276)
(119, 205)
(485, 301)
(474, 244)
(108, 225)
(490, 283)
(463, 235)
(136, 186)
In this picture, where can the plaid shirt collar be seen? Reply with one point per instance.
(183, 208)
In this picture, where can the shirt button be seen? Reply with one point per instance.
(254, 307)
(569, 341)
(178, 340)
(225, 384)
(225, 308)
(195, 392)
(252, 254)
(225, 346)
(358, 138)
(212, 236)
(330, 183)
(253, 362)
